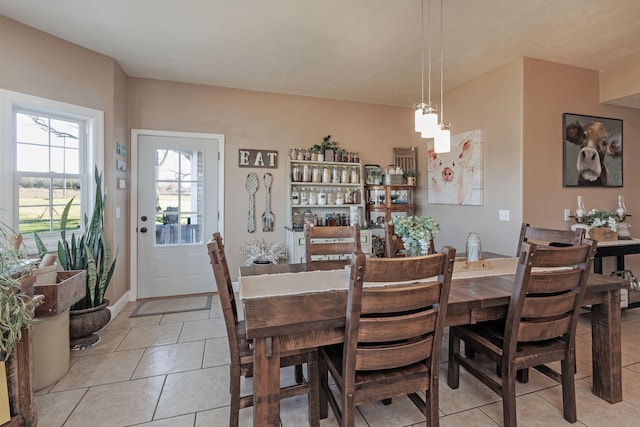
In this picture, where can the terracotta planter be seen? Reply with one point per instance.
(84, 323)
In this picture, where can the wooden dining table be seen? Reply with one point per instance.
(284, 312)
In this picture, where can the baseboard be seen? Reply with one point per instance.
(119, 305)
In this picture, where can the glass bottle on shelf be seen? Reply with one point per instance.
(355, 176)
(344, 177)
(304, 196)
(335, 175)
(326, 175)
(306, 173)
(339, 197)
(322, 196)
(296, 173)
(295, 196)
(331, 197)
(317, 174)
(293, 153)
(313, 196)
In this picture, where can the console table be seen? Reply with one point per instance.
(616, 248)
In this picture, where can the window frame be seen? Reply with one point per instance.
(93, 153)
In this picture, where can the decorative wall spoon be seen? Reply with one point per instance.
(251, 184)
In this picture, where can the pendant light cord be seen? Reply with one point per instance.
(441, 68)
(429, 30)
(422, 48)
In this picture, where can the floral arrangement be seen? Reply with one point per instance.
(416, 232)
(596, 219)
(262, 252)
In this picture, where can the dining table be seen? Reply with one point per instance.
(292, 306)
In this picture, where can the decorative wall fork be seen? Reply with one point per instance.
(267, 217)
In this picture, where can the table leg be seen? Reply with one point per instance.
(607, 348)
(266, 382)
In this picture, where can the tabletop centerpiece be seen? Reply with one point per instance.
(258, 251)
(415, 232)
(603, 225)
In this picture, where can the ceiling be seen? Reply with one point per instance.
(357, 50)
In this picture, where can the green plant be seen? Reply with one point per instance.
(595, 218)
(328, 144)
(415, 231)
(90, 251)
(16, 307)
(317, 148)
(409, 174)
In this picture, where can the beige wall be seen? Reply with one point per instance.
(264, 120)
(492, 103)
(550, 90)
(38, 64)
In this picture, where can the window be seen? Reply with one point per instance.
(49, 153)
(49, 170)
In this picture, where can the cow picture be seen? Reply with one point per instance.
(592, 151)
(456, 177)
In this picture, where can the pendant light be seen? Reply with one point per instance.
(442, 141)
(426, 115)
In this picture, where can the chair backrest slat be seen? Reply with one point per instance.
(549, 237)
(331, 241)
(546, 299)
(397, 321)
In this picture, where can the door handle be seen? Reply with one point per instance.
(143, 230)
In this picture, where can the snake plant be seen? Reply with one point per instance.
(90, 251)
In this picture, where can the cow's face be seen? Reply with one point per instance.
(594, 138)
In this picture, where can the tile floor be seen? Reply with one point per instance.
(172, 370)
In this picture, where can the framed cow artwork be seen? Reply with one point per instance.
(456, 177)
(592, 151)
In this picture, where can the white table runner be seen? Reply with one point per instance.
(266, 285)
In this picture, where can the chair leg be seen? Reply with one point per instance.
(453, 367)
(323, 379)
(298, 374)
(509, 397)
(569, 389)
(348, 410)
(314, 388)
(234, 413)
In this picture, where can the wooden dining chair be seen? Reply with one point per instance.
(394, 246)
(324, 245)
(242, 353)
(549, 237)
(539, 328)
(392, 335)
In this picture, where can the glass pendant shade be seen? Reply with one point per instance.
(442, 142)
(429, 122)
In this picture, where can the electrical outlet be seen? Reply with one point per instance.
(567, 214)
(504, 215)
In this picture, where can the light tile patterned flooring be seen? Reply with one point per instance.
(172, 370)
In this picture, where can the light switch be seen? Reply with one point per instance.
(117, 213)
(504, 215)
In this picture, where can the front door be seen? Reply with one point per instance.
(177, 212)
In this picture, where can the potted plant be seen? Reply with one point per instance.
(90, 251)
(261, 252)
(411, 177)
(16, 314)
(415, 232)
(316, 152)
(328, 148)
(602, 225)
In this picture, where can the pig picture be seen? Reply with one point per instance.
(456, 177)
